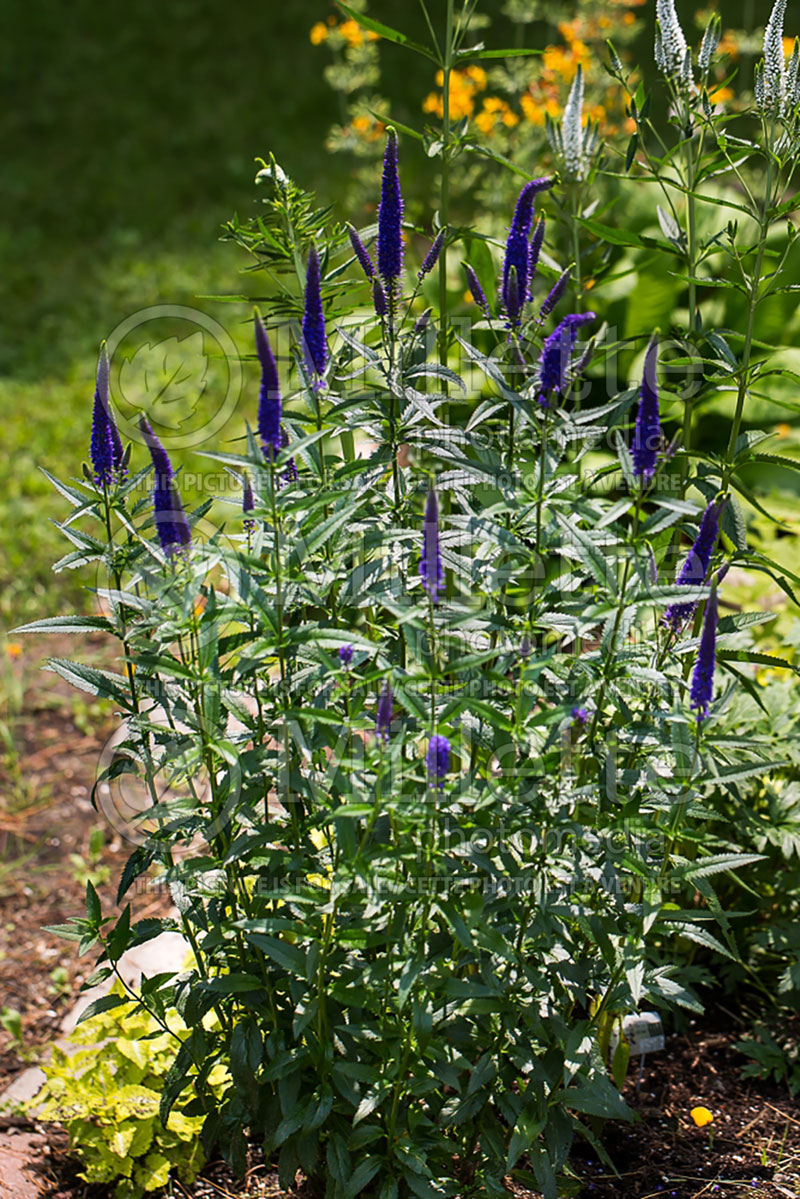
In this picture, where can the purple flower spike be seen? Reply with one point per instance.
(248, 503)
(105, 447)
(555, 294)
(423, 321)
(379, 299)
(346, 655)
(535, 249)
(517, 248)
(437, 759)
(430, 566)
(703, 677)
(476, 291)
(290, 473)
(383, 719)
(171, 523)
(361, 252)
(390, 215)
(557, 355)
(695, 569)
(315, 344)
(269, 400)
(580, 715)
(432, 257)
(647, 434)
(514, 298)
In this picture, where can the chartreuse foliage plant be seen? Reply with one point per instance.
(451, 706)
(106, 1089)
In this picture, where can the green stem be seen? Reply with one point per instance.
(755, 287)
(444, 198)
(281, 654)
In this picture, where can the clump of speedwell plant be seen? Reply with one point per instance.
(448, 706)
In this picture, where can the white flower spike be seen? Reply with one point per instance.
(671, 47)
(572, 127)
(775, 61)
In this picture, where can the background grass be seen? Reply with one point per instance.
(129, 139)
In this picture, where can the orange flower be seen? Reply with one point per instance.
(533, 111)
(478, 77)
(702, 1116)
(463, 86)
(729, 44)
(13, 649)
(352, 33)
(318, 33)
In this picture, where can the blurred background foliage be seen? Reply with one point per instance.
(131, 137)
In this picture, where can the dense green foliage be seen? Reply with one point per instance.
(429, 841)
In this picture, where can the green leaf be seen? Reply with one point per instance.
(246, 1048)
(700, 935)
(617, 237)
(97, 682)
(716, 864)
(104, 1004)
(94, 912)
(67, 624)
(289, 956)
(524, 52)
(386, 31)
(619, 1062)
(596, 1097)
(755, 657)
(231, 984)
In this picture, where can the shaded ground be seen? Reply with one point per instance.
(755, 1145)
(46, 823)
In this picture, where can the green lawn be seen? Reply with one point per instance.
(131, 138)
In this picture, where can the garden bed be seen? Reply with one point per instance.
(755, 1147)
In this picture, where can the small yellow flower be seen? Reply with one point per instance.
(702, 1116)
(718, 95)
(783, 430)
(13, 649)
(318, 33)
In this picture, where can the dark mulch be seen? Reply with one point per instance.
(755, 1146)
